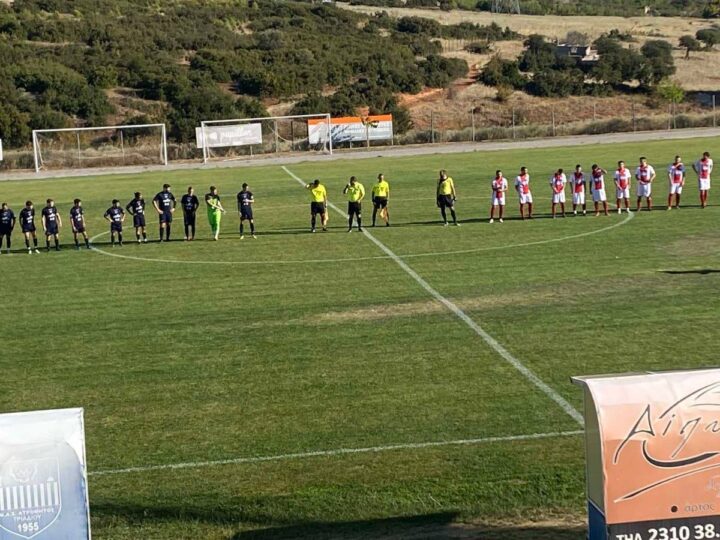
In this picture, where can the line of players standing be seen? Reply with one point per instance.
(645, 176)
(164, 204)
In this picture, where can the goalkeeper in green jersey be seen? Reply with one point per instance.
(215, 211)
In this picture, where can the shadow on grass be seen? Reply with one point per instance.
(702, 271)
(441, 526)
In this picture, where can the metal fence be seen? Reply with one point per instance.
(493, 121)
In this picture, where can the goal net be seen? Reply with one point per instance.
(246, 137)
(109, 146)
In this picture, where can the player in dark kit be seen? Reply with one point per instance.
(27, 226)
(77, 222)
(7, 224)
(115, 215)
(164, 203)
(245, 201)
(136, 208)
(51, 223)
(190, 204)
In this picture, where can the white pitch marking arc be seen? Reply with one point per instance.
(334, 452)
(359, 259)
(475, 327)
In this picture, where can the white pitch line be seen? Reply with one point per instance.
(491, 341)
(335, 452)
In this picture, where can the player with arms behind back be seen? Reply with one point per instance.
(190, 204)
(7, 224)
(703, 167)
(164, 203)
(245, 201)
(499, 188)
(136, 208)
(27, 226)
(51, 224)
(645, 176)
(77, 222)
(676, 178)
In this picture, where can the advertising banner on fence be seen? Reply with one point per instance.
(653, 455)
(237, 135)
(43, 476)
(351, 129)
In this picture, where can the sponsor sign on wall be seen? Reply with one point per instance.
(351, 129)
(43, 476)
(653, 455)
(237, 135)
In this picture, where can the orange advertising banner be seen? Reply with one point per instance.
(653, 450)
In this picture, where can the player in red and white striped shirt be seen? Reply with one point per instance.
(703, 167)
(578, 182)
(645, 176)
(522, 186)
(676, 177)
(499, 188)
(557, 183)
(622, 186)
(597, 185)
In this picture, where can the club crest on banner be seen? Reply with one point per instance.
(30, 496)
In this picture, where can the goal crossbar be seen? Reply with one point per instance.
(36, 132)
(231, 121)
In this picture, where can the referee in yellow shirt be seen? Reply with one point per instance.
(380, 198)
(318, 204)
(446, 196)
(355, 192)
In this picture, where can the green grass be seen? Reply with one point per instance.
(178, 363)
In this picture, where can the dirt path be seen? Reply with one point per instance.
(391, 151)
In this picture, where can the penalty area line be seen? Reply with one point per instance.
(335, 452)
(491, 341)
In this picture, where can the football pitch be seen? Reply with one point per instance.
(413, 382)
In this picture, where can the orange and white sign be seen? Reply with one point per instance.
(351, 129)
(653, 454)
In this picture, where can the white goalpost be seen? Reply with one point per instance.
(106, 146)
(245, 137)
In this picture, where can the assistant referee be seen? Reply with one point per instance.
(355, 192)
(380, 198)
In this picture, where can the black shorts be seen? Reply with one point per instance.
(79, 229)
(445, 201)
(51, 230)
(317, 207)
(246, 212)
(139, 220)
(5, 231)
(166, 217)
(116, 227)
(354, 208)
(189, 218)
(380, 202)
(28, 228)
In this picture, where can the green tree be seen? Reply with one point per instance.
(689, 43)
(659, 62)
(709, 36)
(538, 54)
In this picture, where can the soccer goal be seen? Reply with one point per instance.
(245, 137)
(108, 146)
